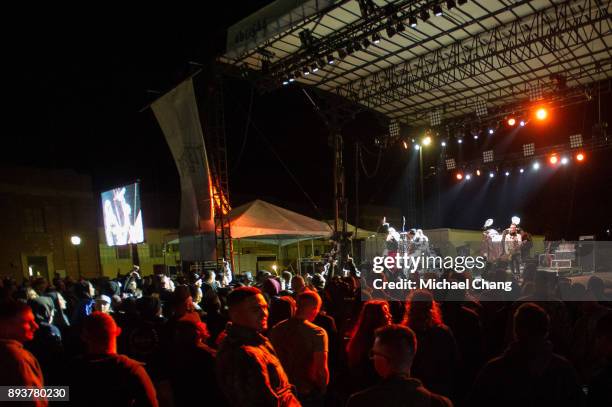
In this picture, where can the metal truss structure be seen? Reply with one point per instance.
(491, 51)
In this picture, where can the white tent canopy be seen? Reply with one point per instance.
(260, 220)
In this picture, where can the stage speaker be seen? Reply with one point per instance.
(585, 253)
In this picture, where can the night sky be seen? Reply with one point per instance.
(80, 87)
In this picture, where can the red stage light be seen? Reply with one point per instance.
(580, 157)
(553, 159)
(541, 114)
(459, 176)
(511, 121)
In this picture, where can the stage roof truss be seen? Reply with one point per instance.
(492, 50)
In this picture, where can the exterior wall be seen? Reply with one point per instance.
(156, 251)
(248, 254)
(41, 210)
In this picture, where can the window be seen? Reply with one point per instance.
(124, 252)
(155, 250)
(34, 220)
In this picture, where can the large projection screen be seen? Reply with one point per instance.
(122, 215)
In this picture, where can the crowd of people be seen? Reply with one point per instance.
(190, 340)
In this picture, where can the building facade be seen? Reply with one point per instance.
(42, 209)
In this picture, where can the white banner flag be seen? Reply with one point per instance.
(178, 117)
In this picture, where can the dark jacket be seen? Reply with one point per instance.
(249, 372)
(111, 380)
(398, 391)
(192, 374)
(527, 374)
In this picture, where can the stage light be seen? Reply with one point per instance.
(424, 15)
(541, 114)
(580, 157)
(417, 147)
(491, 131)
(286, 80)
(459, 176)
(460, 141)
(478, 172)
(437, 10)
(314, 68)
(450, 4)
(521, 170)
(306, 71)
(487, 156)
(427, 141)
(528, 149)
(522, 123)
(330, 59)
(491, 174)
(435, 117)
(405, 145)
(376, 38)
(443, 144)
(481, 108)
(536, 165)
(468, 177)
(75, 240)
(476, 136)
(394, 129)
(564, 160)
(575, 141)
(291, 78)
(507, 173)
(412, 21)
(511, 121)
(553, 159)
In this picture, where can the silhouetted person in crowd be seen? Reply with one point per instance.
(298, 285)
(302, 348)
(393, 354)
(18, 367)
(528, 372)
(47, 344)
(437, 359)
(215, 320)
(104, 378)
(248, 370)
(84, 293)
(192, 367)
(374, 314)
(282, 309)
(599, 390)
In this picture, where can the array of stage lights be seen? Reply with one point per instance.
(394, 24)
(553, 160)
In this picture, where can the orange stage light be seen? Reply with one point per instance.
(459, 176)
(541, 114)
